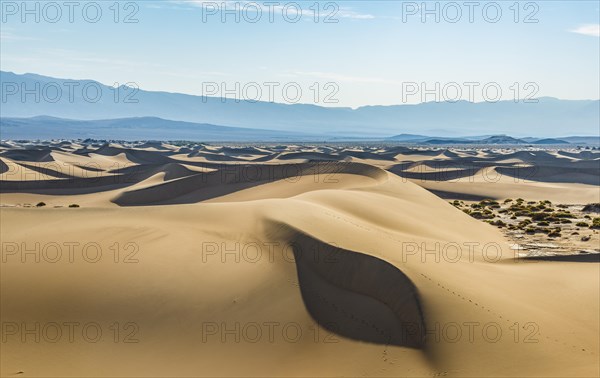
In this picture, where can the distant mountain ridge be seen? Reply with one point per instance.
(139, 128)
(153, 128)
(497, 139)
(548, 118)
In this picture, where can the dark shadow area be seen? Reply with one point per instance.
(460, 196)
(3, 167)
(358, 296)
(581, 258)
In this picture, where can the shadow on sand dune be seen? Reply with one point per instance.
(581, 258)
(357, 296)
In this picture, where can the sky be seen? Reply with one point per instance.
(344, 53)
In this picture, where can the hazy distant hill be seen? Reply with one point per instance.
(584, 139)
(497, 139)
(143, 128)
(153, 128)
(548, 118)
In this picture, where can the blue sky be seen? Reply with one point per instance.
(376, 53)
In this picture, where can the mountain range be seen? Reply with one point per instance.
(152, 128)
(548, 118)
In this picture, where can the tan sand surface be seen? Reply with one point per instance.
(212, 266)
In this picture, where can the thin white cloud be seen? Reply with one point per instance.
(592, 30)
(8, 36)
(253, 6)
(347, 13)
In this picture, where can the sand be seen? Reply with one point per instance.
(285, 261)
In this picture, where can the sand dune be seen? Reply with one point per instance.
(297, 261)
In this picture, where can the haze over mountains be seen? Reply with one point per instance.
(139, 128)
(548, 118)
(153, 128)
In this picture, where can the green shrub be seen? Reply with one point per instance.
(563, 214)
(524, 223)
(481, 215)
(539, 216)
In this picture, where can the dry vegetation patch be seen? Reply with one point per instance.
(540, 226)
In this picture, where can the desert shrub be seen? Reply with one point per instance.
(539, 216)
(595, 223)
(554, 234)
(543, 223)
(563, 214)
(498, 223)
(508, 200)
(481, 215)
(524, 223)
(73, 205)
(563, 206)
(581, 224)
(587, 217)
(548, 210)
(41, 204)
(513, 217)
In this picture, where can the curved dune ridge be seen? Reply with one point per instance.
(356, 295)
(286, 266)
(220, 182)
